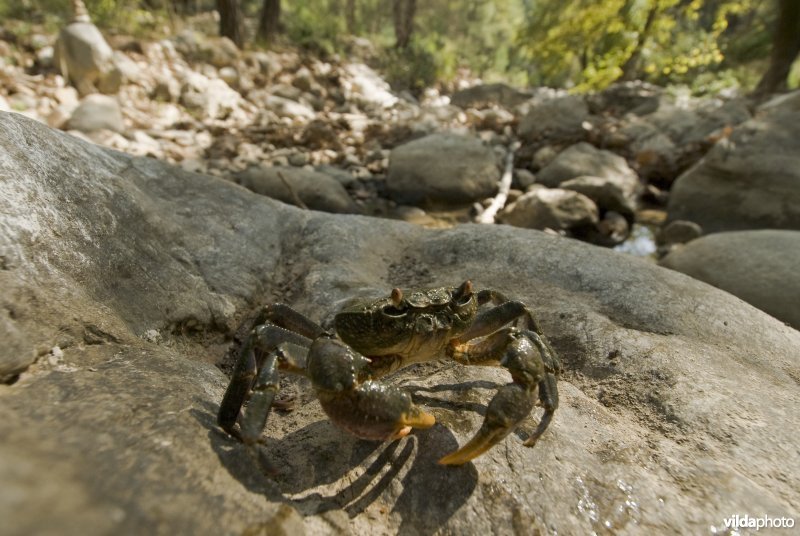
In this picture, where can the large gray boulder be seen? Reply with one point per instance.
(315, 190)
(124, 279)
(442, 169)
(750, 181)
(687, 126)
(585, 159)
(606, 194)
(760, 267)
(558, 120)
(551, 208)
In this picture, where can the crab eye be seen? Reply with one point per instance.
(464, 300)
(463, 294)
(391, 310)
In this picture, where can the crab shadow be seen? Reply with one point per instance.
(318, 468)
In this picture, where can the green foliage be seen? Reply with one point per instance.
(311, 25)
(128, 16)
(471, 34)
(581, 44)
(413, 68)
(588, 45)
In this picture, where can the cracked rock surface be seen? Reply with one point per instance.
(124, 281)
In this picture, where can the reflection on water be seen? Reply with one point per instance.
(640, 243)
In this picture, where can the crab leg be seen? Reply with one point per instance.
(264, 389)
(521, 352)
(238, 389)
(508, 311)
(548, 389)
(253, 372)
(284, 316)
(505, 311)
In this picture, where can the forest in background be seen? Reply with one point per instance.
(707, 45)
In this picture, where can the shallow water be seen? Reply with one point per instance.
(640, 243)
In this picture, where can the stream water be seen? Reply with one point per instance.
(640, 243)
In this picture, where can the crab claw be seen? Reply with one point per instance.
(374, 410)
(511, 404)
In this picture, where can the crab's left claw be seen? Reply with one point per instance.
(374, 410)
(511, 405)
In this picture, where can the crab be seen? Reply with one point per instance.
(375, 338)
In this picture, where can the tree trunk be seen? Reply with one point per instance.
(269, 24)
(230, 21)
(785, 48)
(404, 21)
(350, 16)
(630, 69)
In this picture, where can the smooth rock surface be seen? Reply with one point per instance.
(749, 181)
(676, 402)
(97, 112)
(760, 267)
(442, 170)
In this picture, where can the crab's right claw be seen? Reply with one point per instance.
(510, 406)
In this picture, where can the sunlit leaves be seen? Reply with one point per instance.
(588, 44)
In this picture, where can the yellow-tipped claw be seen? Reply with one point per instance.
(417, 419)
(483, 441)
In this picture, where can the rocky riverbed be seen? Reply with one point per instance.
(125, 281)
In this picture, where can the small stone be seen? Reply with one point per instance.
(152, 335)
(551, 208)
(298, 159)
(680, 232)
(523, 178)
(97, 112)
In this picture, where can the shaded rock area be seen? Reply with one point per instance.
(315, 190)
(638, 98)
(749, 181)
(558, 120)
(760, 267)
(485, 95)
(126, 279)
